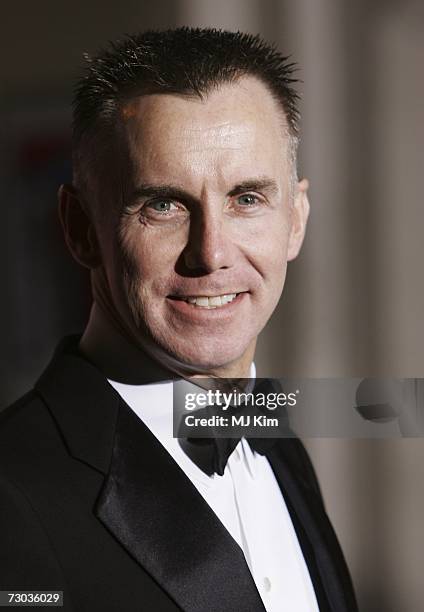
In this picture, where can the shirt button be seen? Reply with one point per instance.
(267, 584)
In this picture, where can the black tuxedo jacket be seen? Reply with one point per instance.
(93, 505)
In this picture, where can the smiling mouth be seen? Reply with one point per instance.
(203, 301)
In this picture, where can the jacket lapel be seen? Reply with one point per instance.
(318, 541)
(147, 502)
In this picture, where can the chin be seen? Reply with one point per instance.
(205, 356)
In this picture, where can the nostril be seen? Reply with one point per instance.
(190, 260)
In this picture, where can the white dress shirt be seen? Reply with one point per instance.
(246, 499)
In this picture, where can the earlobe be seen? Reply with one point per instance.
(299, 218)
(78, 228)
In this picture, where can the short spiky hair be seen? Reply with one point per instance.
(187, 61)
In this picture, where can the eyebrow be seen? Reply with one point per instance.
(173, 191)
(260, 184)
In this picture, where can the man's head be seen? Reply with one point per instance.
(185, 187)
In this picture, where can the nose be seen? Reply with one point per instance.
(209, 247)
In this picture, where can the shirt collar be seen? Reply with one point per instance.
(153, 402)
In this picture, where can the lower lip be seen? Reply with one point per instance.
(202, 313)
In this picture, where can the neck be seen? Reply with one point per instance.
(118, 358)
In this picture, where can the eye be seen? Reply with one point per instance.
(161, 206)
(247, 199)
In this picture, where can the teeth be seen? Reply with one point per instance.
(211, 302)
(202, 301)
(214, 301)
(226, 299)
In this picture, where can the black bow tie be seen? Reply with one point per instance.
(211, 454)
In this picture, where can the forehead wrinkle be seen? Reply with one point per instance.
(224, 136)
(218, 172)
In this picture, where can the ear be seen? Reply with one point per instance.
(78, 228)
(299, 218)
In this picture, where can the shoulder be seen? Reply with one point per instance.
(24, 421)
(30, 442)
(19, 409)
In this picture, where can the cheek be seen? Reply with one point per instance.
(147, 260)
(275, 268)
(269, 249)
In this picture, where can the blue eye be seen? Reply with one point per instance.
(161, 206)
(247, 199)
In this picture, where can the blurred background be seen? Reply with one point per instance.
(354, 299)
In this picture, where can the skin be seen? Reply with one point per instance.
(202, 206)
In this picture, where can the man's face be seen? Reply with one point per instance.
(195, 249)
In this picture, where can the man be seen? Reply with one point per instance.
(186, 207)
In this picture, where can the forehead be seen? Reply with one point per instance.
(237, 124)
